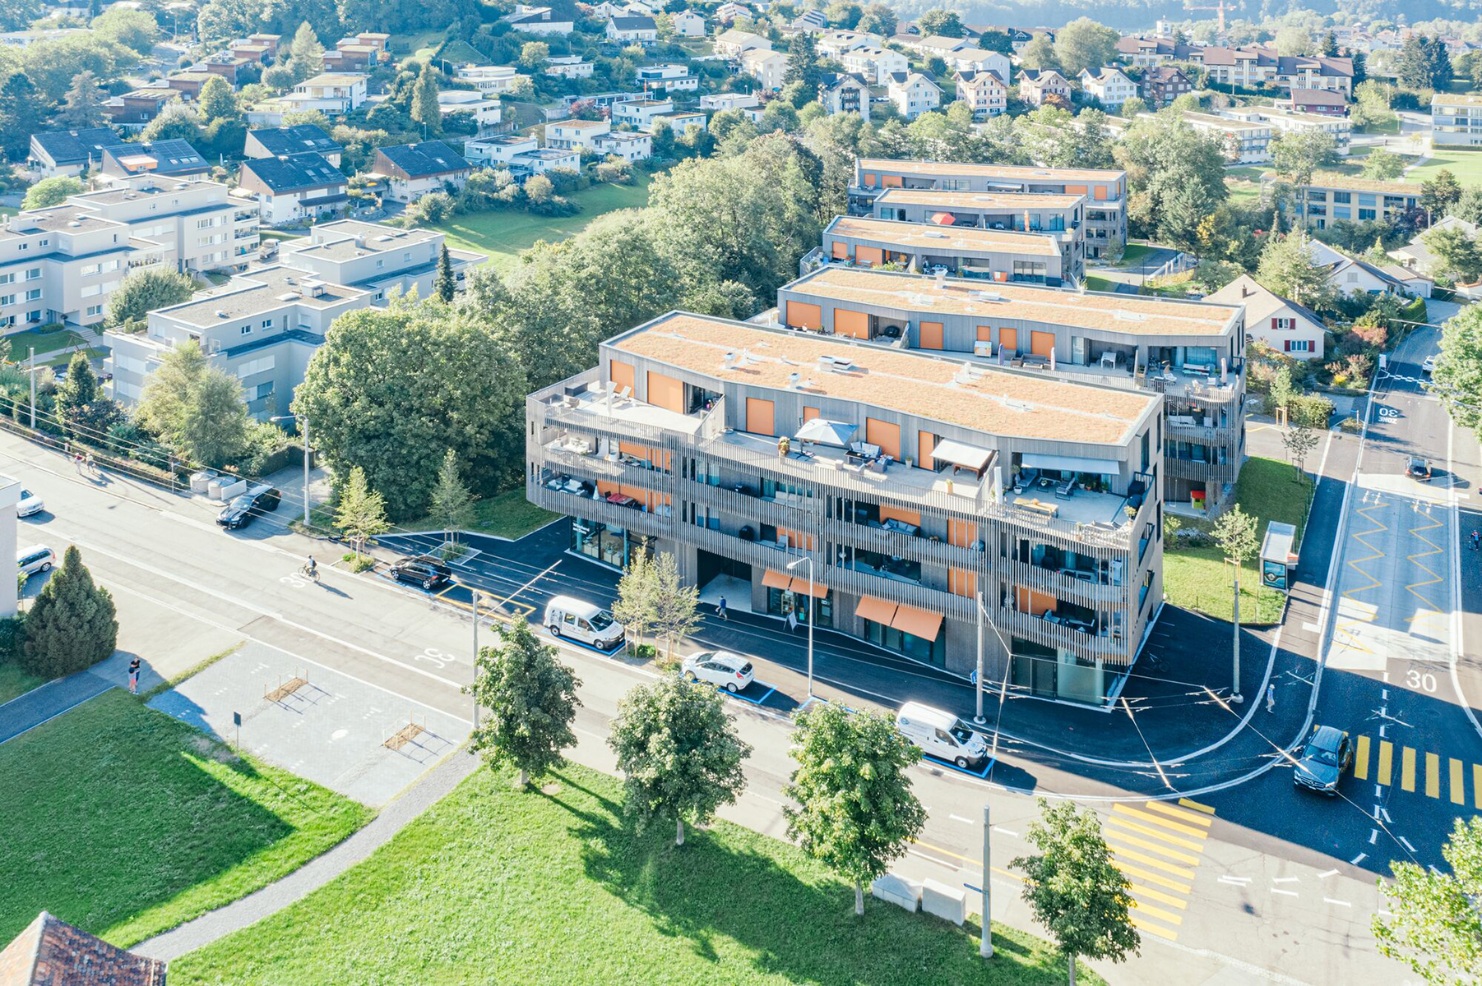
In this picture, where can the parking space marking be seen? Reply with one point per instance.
(1458, 787)
(1361, 759)
(1407, 769)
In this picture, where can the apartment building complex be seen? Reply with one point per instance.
(1456, 120)
(60, 264)
(1329, 197)
(375, 258)
(914, 486)
(1105, 192)
(1191, 353)
(968, 252)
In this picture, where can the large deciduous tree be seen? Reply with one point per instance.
(1457, 378)
(393, 388)
(1286, 268)
(1074, 888)
(1085, 44)
(1433, 924)
(941, 22)
(145, 290)
(73, 623)
(51, 191)
(194, 407)
(679, 753)
(1457, 254)
(1172, 172)
(531, 701)
(856, 811)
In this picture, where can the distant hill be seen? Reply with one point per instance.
(1133, 15)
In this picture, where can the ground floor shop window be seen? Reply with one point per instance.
(916, 648)
(781, 602)
(609, 545)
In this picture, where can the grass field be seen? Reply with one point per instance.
(1465, 165)
(1134, 253)
(497, 886)
(1094, 283)
(14, 681)
(126, 822)
(45, 342)
(505, 235)
(1199, 578)
(506, 515)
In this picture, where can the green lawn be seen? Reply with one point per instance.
(1095, 283)
(505, 235)
(506, 515)
(125, 822)
(14, 681)
(45, 342)
(497, 886)
(1465, 165)
(1199, 578)
(1134, 253)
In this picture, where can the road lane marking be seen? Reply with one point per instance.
(1407, 769)
(1234, 881)
(1327, 873)
(1386, 754)
(1153, 929)
(1146, 860)
(947, 852)
(1184, 816)
(1173, 854)
(1284, 893)
(1477, 786)
(1196, 806)
(1285, 879)
(932, 859)
(1158, 912)
(1361, 759)
(1458, 786)
(1432, 775)
(1161, 822)
(1155, 833)
(1009, 832)
(1406, 843)
(1358, 859)
(1158, 895)
(1130, 871)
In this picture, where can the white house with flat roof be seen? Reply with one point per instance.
(380, 260)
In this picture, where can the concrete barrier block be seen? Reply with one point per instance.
(947, 903)
(897, 890)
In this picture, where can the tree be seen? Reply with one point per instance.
(451, 363)
(1286, 268)
(879, 19)
(1166, 159)
(1235, 533)
(361, 512)
(1132, 107)
(305, 53)
(802, 64)
(675, 605)
(1457, 254)
(1440, 193)
(1423, 63)
(1383, 165)
(856, 811)
(217, 101)
(940, 23)
(1293, 39)
(52, 191)
(425, 109)
(679, 753)
(1297, 154)
(145, 290)
(843, 14)
(446, 284)
(1300, 442)
(85, 412)
(635, 606)
(1434, 925)
(73, 623)
(194, 407)
(1457, 379)
(1371, 104)
(134, 29)
(83, 105)
(531, 700)
(451, 505)
(998, 41)
(1329, 46)
(1039, 53)
(1074, 888)
(1085, 44)
(175, 122)
(534, 54)
(22, 110)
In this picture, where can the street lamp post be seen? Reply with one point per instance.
(304, 434)
(985, 946)
(474, 690)
(812, 611)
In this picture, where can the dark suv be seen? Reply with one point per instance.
(424, 570)
(1322, 762)
(241, 511)
(1419, 469)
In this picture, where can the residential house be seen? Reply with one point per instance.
(1281, 121)
(1162, 84)
(950, 503)
(1243, 141)
(49, 951)
(284, 141)
(733, 44)
(331, 93)
(175, 158)
(485, 112)
(1058, 215)
(978, 60)
(188, 84)
(913, 93)
(836, 44)
(568, 67)
(844, 92)
(1329, 197)
(932, 45)
(69, 153)
(970, 252)
(539, 20)
(727, 12)
(678, 123)
(488, 79)
(1149, 52)
(1315, 72)
(136, 109)
(1321, 102)
(62, 263)
(875, 64)
(810, 22)
(1190, 352)
(572, 135)
(1285, 326)
(769, 68)
(628, 145)
(1105, 190)
(1110, 86)
(492, 150)
(666, 78)
(745, 103)
(640, 113)
(985, 92)
(413, 170)
(292, 189)
(632, 30)
(1417, 256)
(1456, 120)
(545, 159)
(1036, 87)
(688, 24)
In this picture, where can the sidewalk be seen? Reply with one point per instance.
(46, 702)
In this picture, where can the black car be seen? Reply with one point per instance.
(1323, 760)
(424, 570)
(241, 511)
(1419, 469)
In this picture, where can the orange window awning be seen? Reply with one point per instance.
(774, 579)
(876, 609)
(917, 622)
(800, 586)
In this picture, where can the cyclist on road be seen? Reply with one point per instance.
(311, 568)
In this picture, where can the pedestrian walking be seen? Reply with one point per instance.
(77, 460)
(1270, 698)
(134, 676)
(720, 609)
(92, 467)
(1476, 539)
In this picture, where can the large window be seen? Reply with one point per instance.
(917, 648)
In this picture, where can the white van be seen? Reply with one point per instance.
(582, 621)
(942, 735)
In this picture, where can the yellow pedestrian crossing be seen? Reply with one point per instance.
(1158, 846)
(1420, 771)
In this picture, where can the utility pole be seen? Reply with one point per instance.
(33, 388)
(978, 685)
(985, 946)
(306, 470)
(474, 691)
(1235, 695)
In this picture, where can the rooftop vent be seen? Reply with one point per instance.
(221, 314)
(987, 296)
(1122, 315)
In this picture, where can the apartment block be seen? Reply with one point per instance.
(61, 264)
(1330, 197)
(1024, 212)
(1456, 120)
(915, 488)
(968, 252)
(1244, 141)
(1190, 353)
(374, 258)
(1105, 191)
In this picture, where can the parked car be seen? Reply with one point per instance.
(243, 509)
(721, 669)
(30, 504)
(36, 558)
(1427, 365)
(424, 570)
(1418, 469)
(1323, 760)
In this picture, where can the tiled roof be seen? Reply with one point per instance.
(430, 158)
(294, 173)
(76, 146)
(50, 952)
(295, 140)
